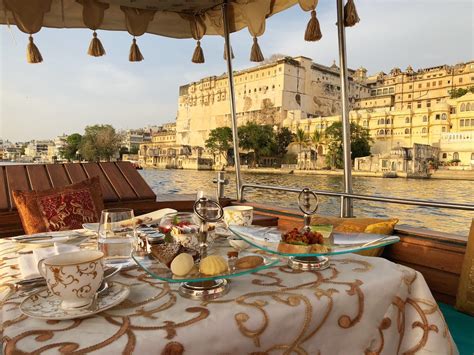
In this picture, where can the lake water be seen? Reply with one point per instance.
(451, 221)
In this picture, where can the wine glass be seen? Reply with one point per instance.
(117, 236)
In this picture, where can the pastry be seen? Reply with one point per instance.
(182, 264)
(249, 262)
(165, 252)
(319, 248)
(213, 265)
(288, 248)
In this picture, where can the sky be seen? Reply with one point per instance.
(71, 90)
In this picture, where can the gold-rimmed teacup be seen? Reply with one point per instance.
(74, 277)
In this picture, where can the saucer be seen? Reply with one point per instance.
(44, 305)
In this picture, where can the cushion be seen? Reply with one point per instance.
(359, 225)
(60, 209)
(465, 295)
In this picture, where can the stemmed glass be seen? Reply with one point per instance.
(117, 236)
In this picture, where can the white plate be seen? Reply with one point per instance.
(149, 218)
(74, 237)
(44, 305)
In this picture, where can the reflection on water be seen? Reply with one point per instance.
(451, 221)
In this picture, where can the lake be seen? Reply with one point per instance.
(451, 221)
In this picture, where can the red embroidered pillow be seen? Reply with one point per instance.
(59, 209)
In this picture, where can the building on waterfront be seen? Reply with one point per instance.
(132, 138)
(283, 90)
(164, 152)
(38, 150)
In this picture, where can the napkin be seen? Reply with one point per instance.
(28, 263)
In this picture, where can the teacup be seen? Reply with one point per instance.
(238, 215)
(74, 277)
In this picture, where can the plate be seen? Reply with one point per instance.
(44, 305)
(269, 238)
(149, 218)
(73, 237)
(220, 247)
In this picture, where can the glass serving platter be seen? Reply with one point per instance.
(269, 239)
(160, 271)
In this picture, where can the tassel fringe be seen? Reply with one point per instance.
(95, 48)
(256, 53)
(135, 54)
(198, 56)
(350, 14)
(313, 30)
(231, 53)
(33, 54)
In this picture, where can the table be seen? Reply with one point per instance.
(358, 305)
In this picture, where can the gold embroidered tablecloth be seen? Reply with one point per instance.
(359, 305)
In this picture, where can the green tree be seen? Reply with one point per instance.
(283, 139)
(360, 143)
(455, 93)
(219, 141)
(100, 142)
(300, 138)
(70, 150)
(258, 139)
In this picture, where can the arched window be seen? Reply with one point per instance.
(468, 107)
(424, 130)
(365, 123)
(455, 156)
(444, 116)
(445, 155)
(463, 107)
(407, 120)
(425, 118)
(407, 130)
(472, 157)
(381, 132)
(387, 121)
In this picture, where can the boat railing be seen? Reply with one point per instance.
(344, 197)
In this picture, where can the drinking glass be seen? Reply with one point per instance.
(117, 236)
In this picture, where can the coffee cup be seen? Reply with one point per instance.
(238, 215)
(74, 277)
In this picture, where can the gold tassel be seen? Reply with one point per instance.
(198, 56)
(95, 48)
(135, 54)
(33, 54)
(256, 53)
(350, 14)
(313, 31)
(231, 53)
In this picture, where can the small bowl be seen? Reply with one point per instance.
(238, 243)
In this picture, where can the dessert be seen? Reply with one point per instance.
(213, 265)
(302, 242)
(165, 252)
(182, 264)
(249, 262)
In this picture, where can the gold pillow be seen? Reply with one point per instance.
(465, 295)
(360, 225)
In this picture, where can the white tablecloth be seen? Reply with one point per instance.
(359, 305)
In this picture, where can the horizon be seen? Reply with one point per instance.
(37, 102)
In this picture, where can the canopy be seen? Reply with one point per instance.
(171, 18)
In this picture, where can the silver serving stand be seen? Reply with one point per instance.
(208, 211)
(308, 262)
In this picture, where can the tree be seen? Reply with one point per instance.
(70, 150)
(219, 141)
(455, 93)
(283, 139)
(100, 142)
(360, 143)
(258, 139)
(300, 138)
(316, 139)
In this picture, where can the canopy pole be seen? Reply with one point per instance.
(230, 75)
(346, 208)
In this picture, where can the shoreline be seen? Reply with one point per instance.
(467, 175)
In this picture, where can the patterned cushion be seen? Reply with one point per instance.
(59, 209)
(358, 225)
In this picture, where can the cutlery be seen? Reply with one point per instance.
(46, 237)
